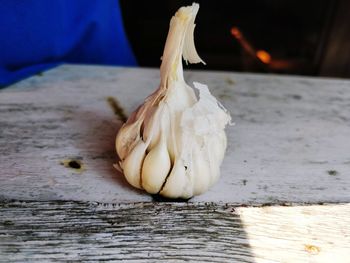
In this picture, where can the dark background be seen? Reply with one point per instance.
(302, 37)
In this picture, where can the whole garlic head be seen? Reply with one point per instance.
(174, 143)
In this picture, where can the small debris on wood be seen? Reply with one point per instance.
(314, 250)
(117, 109)
(332, 172)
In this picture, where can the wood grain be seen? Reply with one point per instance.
(172, 232)
(290, 142)
(140, 232)
(298, 234)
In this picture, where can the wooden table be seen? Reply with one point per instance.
(283, 195)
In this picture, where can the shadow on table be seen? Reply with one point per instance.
(96, 144)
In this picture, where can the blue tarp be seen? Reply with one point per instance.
(38, 34)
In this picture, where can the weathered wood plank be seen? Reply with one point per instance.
(172, 232)
(290, 142)
(141, 232)
(298, 234)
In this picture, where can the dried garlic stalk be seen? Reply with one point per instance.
(174, 143)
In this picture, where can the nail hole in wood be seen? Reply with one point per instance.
(74, 164)
(332, 172)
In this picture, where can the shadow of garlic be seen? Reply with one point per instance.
(174, 143)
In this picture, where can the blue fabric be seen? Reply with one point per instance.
(38, 34)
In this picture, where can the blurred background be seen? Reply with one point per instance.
(267, 36)
(289, 37)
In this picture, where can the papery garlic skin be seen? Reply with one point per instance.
(174, 143)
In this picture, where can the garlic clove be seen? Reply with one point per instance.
(132, 164)
(200, 171)
(177, 185)
(156, 167)
(215, 146)
(156, 121)
(127, 136)
(152, 127)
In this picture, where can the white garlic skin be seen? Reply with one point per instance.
(174, 143)
(188, 145)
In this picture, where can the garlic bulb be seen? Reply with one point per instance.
(174, 143)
